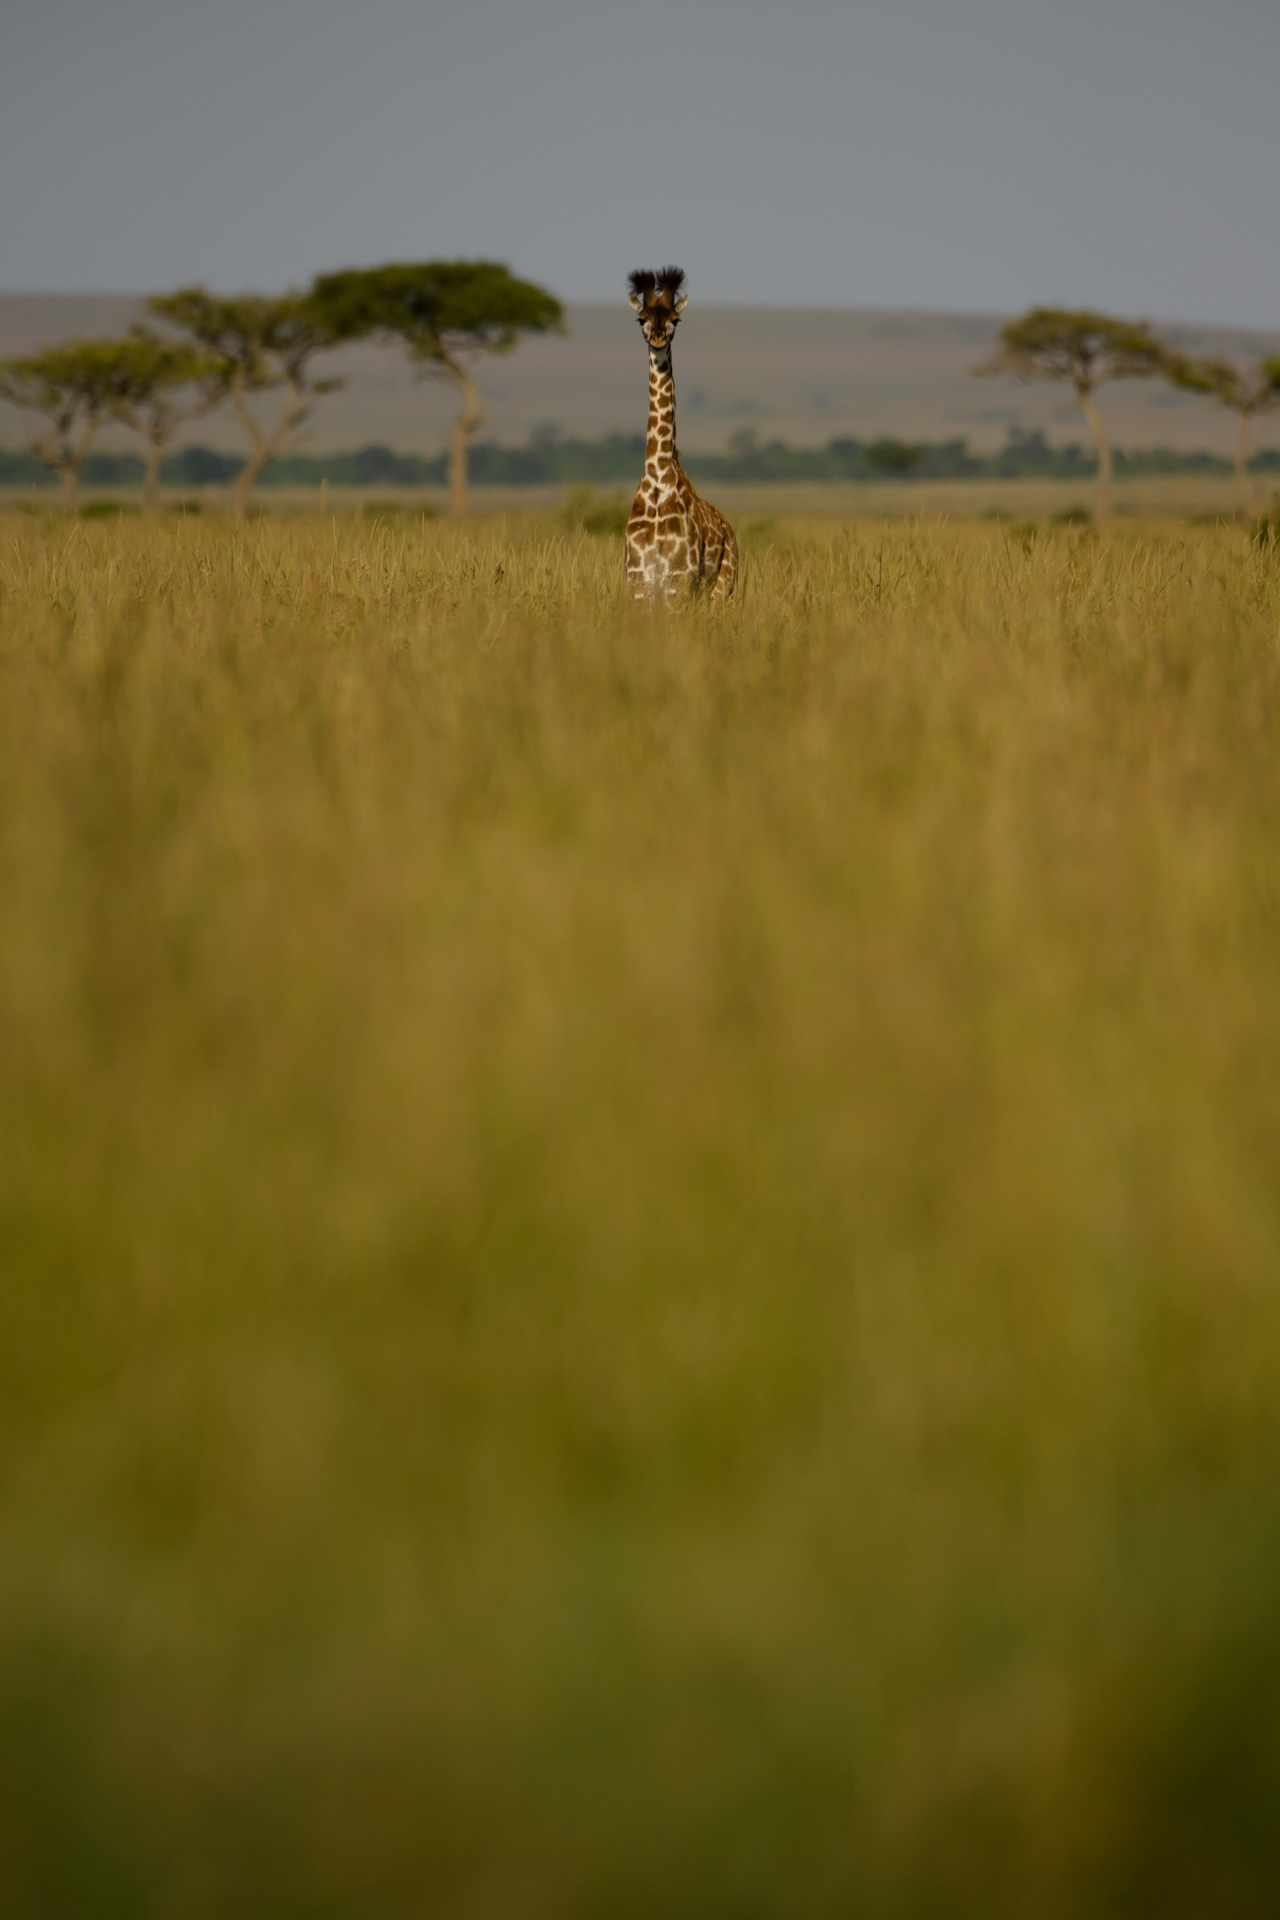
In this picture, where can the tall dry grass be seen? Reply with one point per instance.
(640, 1256)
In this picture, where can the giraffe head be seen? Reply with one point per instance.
(657, 303)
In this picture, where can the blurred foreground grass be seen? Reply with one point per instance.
(639, 1257)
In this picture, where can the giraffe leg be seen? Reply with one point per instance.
(727, 572)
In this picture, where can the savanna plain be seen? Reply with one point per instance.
(639, 1252)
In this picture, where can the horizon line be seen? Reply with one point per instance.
(911, 310)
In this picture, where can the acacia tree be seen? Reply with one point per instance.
(76, 387)
(149, 374)
(1054, 343)
(252, 345)
(1246, 391)
(443, 311)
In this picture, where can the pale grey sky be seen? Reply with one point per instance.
(973, 154)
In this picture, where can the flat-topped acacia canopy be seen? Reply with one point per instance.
(437, 305)
(441, 310)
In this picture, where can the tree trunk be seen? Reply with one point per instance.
(1242, 452)
(151, 480)
(67, 458)
(1093, 420)
(264, 447)
(460, 433)
(257, 453)
(247, 479)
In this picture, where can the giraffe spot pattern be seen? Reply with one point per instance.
(675, 541)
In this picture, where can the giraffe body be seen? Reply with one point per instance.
(676, 542)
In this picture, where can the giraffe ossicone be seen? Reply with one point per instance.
(675, 542)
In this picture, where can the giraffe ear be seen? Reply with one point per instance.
(682, 303)
(636, 303)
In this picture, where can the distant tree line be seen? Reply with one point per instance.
(547, 461)
(218, 352)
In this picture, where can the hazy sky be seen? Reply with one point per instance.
(934, 153)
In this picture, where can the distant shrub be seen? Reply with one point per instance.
(400, 509)
(587, 512)
(24, 470)
(1266, 529)
(107, 509)
(112, 470)
(894, 458)
(200, 467)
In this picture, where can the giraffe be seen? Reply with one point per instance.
(675, 541)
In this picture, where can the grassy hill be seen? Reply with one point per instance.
(805, 376)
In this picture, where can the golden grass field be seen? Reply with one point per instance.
(640, 1254)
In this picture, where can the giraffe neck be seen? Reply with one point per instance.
(661, 461)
